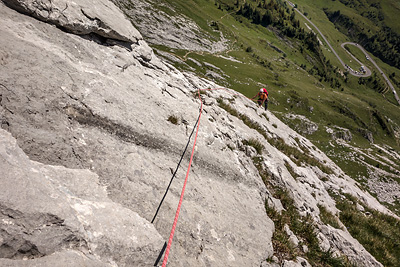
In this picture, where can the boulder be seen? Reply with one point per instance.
(301, 124)
(81, 17)
(341, 133)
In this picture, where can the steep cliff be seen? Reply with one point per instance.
(97, 124)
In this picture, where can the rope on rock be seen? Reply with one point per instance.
(176, 170)
(167, 247)
(171, 236)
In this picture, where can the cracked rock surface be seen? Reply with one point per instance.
(47, 209)
(100, 112)
(87, 149)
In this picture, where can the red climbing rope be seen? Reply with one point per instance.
(171, 236)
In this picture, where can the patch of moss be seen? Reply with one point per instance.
(173, 119)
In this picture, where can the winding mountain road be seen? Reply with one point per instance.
(376, 66)
(367, 72)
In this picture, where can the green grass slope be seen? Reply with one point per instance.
(300, 80)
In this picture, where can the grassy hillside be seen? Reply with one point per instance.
(300, 79)
(369, 22)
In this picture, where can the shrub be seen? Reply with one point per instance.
(173, 119)
(328, 218)
(256, 144)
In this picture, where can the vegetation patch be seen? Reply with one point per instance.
(173, 119)
(298, 101)
(259, 147)
(291, 170)
(377, 232)
(294, 153)
(383, 122)
(303, 227)
(283, 249)
(328, 218)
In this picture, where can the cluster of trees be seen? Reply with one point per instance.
(273, 13)
(277, 14)
(373, 82)
(384, 44)
(329, 74)
(371, 11)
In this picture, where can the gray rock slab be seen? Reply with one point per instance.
(101, 17)
(58, 259)
(96, 118)
(46, 209)
(104, 110)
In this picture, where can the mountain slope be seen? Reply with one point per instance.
(102, 109)
(304, 83)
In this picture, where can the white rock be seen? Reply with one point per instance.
(70, 210)
(81, 17)
(275, 204)
(360, 207)
(292, 237)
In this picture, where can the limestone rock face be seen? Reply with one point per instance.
(90, 150)
(301, 124)
(169, 28)
(46, 209)
(340, 133)
(347, 244)
(101, 17)
(87, 111)
(71, 258)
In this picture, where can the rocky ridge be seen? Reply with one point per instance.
(91, 151)
(165, 26)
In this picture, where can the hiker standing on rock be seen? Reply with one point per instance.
(262, 98)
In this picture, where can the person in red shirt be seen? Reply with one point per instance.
(262, 98)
